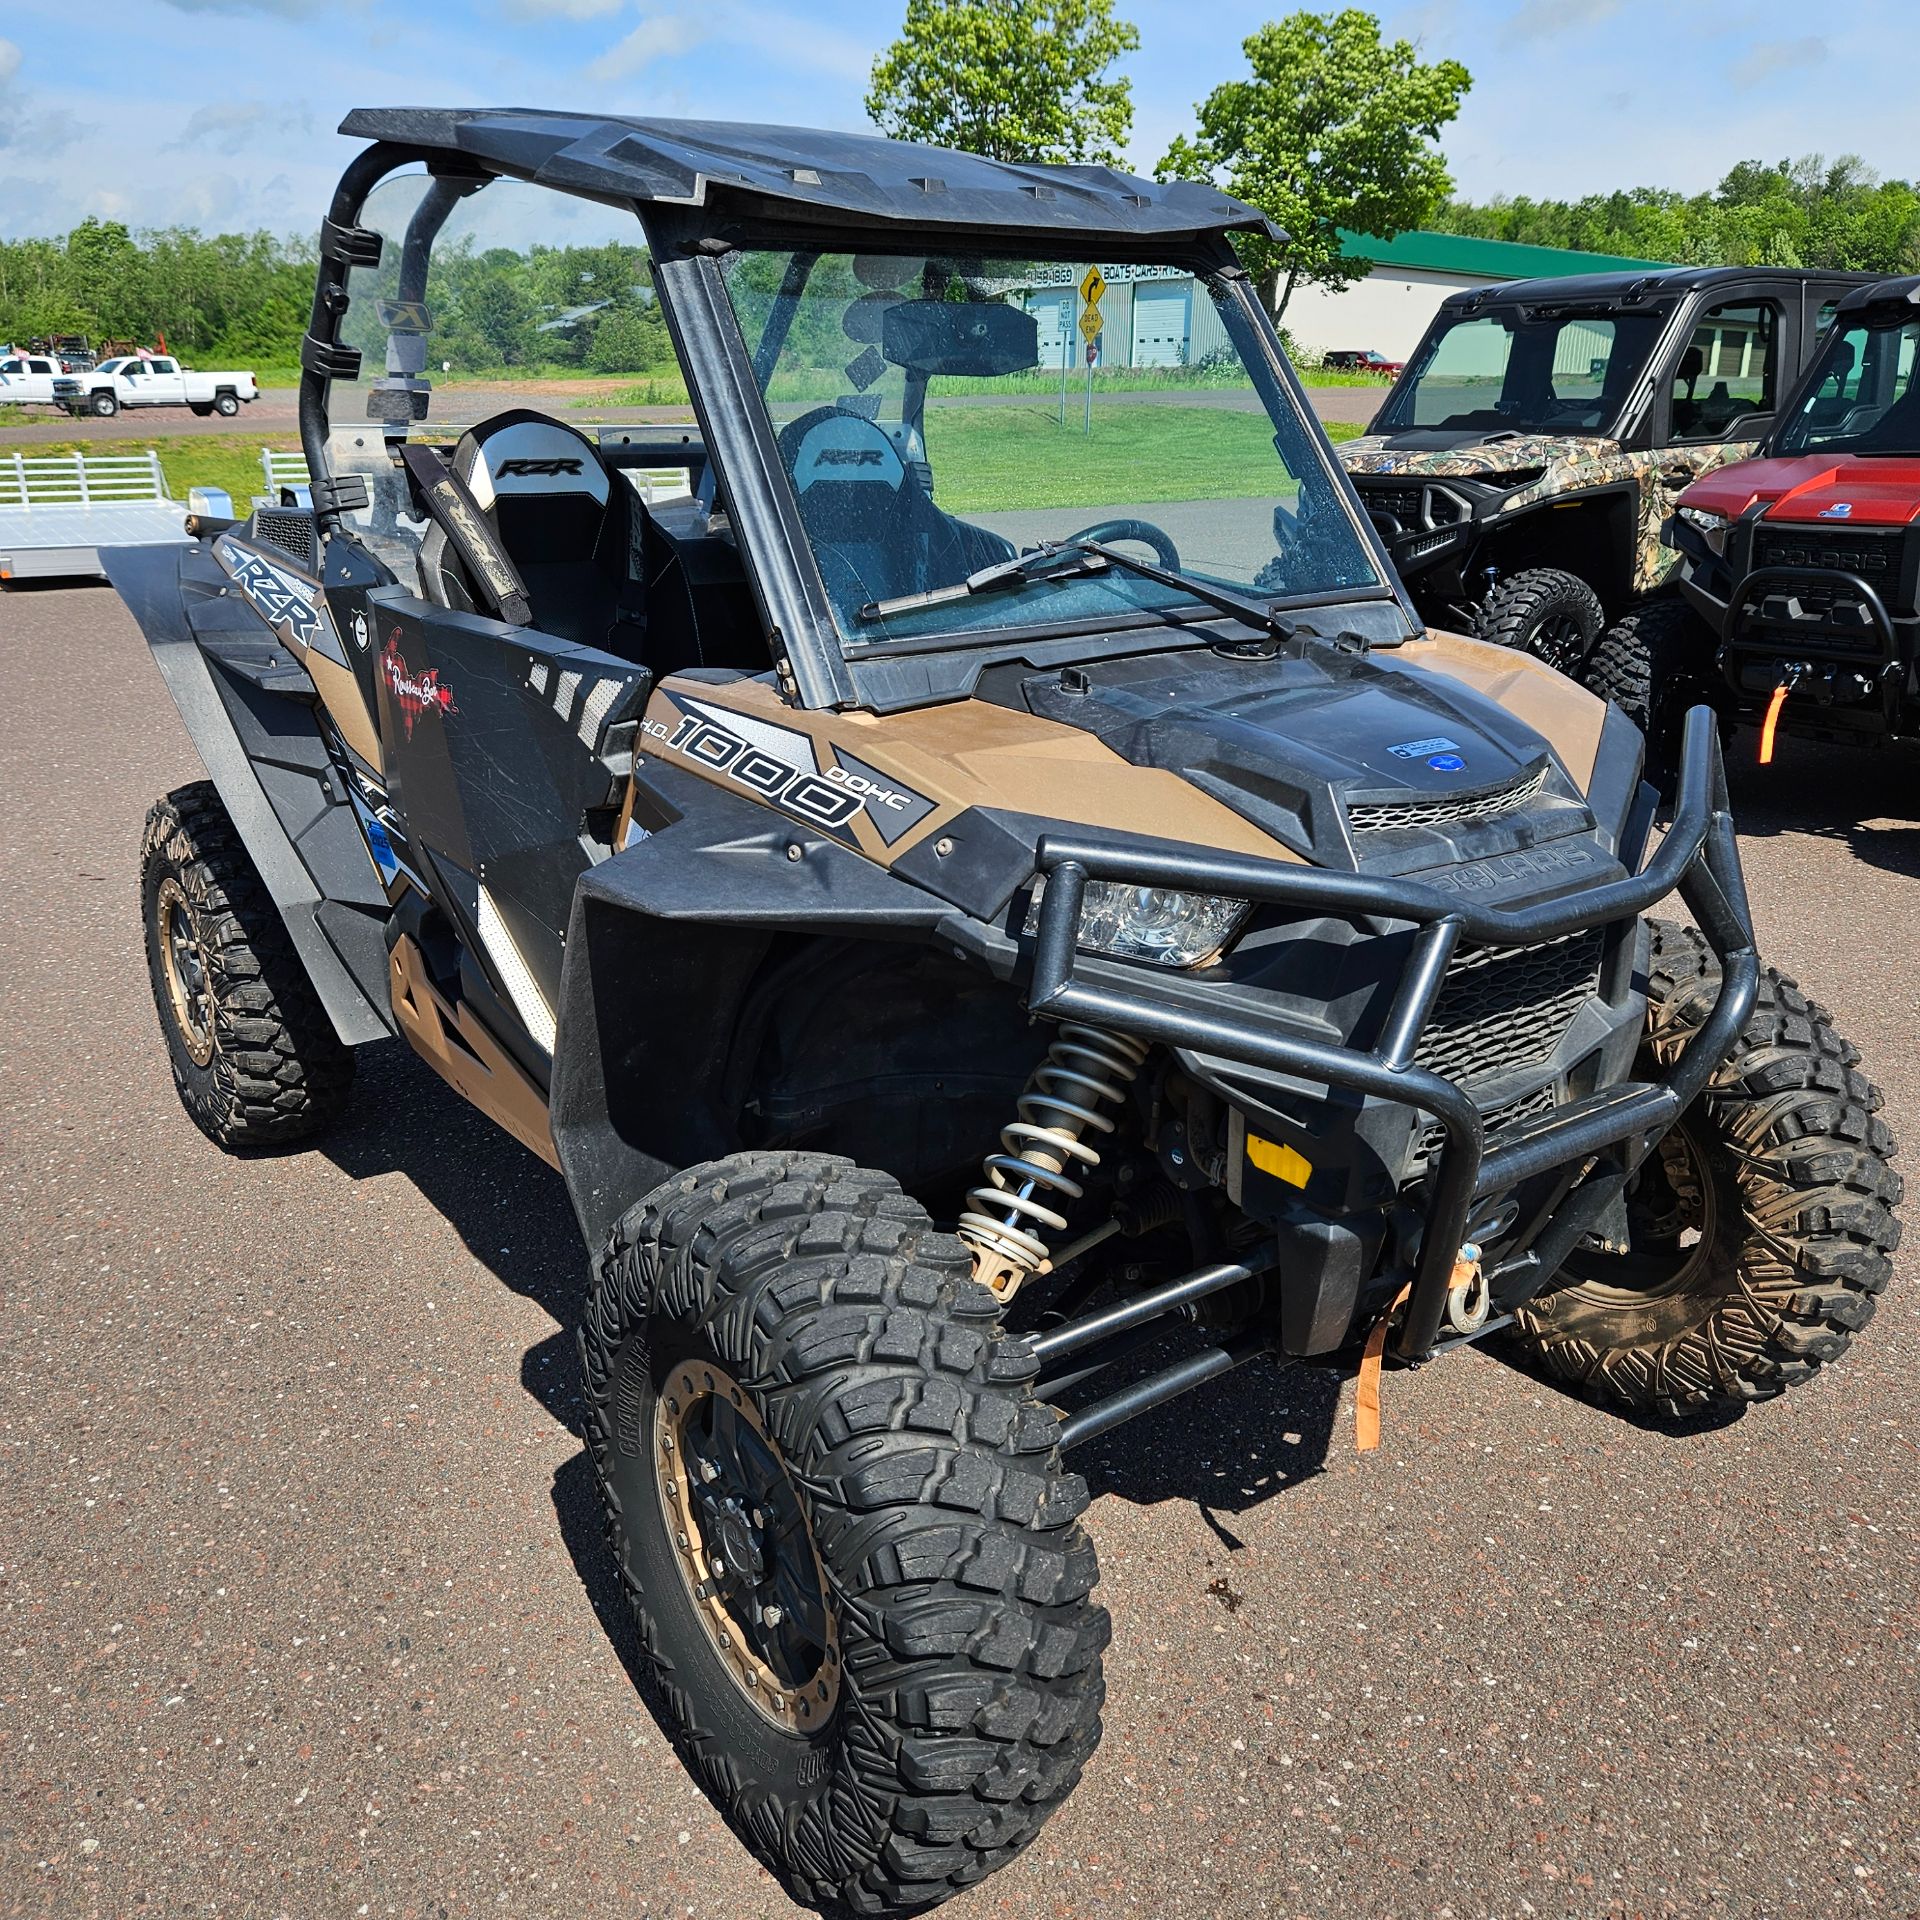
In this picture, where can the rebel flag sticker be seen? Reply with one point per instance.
(414, 694)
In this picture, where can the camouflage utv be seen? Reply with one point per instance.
(1524, 465)
(989, 940)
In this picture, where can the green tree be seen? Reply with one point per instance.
(1332, 128)
(1027, 80)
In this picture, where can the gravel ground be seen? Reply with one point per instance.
(303, 1610)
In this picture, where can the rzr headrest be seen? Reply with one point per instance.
(524, 453)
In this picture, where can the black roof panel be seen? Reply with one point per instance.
(800, 173)
(1647, 282)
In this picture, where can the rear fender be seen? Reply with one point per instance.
(149, 580)
(664, 941)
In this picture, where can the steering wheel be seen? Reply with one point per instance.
(1142, 530)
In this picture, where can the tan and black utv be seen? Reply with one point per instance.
(988, 895)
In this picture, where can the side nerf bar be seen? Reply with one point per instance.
(1699, 859)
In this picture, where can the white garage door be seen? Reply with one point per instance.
(1161, 321)
(1054, 314)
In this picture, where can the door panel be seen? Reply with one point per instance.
(489, 735)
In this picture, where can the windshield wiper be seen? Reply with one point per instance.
(1074, 559)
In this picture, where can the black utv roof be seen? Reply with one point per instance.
(1639, 283)
(844, 179)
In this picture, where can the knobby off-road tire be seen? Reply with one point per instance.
(1780, 1168)
(1552, 615)
(255, 1059)
(1653, 664)
(965, 1696)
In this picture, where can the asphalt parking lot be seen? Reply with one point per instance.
(304, 1611)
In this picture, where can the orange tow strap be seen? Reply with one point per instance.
(1772, 720)
(1366, 1389)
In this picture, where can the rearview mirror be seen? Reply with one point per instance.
(975, 338)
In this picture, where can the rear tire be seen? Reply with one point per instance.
(1554, 616)
(256, 1061)
(812, 1311)
(226, 405)
(103, 406)
(1653, 664)
(1780, 1169)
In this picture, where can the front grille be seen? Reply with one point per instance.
(1504, 1008)
(291, 530)
(1401, 504)
(1871, 556)
(1433, 1136)
(1382, 816)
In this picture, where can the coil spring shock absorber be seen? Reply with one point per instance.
(1084, 1068)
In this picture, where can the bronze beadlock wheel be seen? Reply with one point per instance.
(183, 964)
(746, 1550)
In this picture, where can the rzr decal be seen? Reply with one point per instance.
(276, 597)
(413, 693)
(537, 469)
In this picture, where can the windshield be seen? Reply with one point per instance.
(1523, 371)
(939, 416)
(1862, 396)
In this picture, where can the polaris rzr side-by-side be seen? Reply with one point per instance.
(998, 914)
(1798, 602)
(1525, 463)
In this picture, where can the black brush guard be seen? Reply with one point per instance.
(1698, 859)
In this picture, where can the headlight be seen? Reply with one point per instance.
(1150, 923)
(1710, 526)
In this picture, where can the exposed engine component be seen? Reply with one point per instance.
(1085, 1068)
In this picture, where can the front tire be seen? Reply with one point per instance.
(1761, 1229)
(103, 406)
(798, 1331)
(255, 1059)
(1554, 616)
(1653, 664)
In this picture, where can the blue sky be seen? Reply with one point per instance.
(220, 113)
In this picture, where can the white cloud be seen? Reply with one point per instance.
(279, 9)
(1761, 63)
(9, 61)
(659, 37)
(562, 9)
(230, 126)
(1547, 19)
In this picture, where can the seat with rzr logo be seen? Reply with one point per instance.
(572, 529)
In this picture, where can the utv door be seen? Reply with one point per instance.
(505, 750)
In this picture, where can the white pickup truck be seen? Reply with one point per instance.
(37, 380)
(159, 382)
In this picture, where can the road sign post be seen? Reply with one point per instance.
(1093, 284)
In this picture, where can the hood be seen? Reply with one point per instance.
(1349, 760)
(1471, 456)
(1863, 490)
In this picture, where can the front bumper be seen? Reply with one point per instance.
(1606, 1134)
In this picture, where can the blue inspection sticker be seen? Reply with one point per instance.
(381, 848)
(1446, 763)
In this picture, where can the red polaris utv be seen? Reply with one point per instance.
(1798, 602)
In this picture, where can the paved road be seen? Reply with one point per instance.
(277, 411)
(303, 1610)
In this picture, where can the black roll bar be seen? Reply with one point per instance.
(1699, 859)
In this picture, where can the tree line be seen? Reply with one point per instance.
(238, 299)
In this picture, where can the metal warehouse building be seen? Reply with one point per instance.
(1152, 318)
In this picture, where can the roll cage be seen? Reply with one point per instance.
(696, 201)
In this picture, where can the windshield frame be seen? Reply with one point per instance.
(1615, 426)
(837, 670)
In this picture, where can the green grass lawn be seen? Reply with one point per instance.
(988, 459)
(985, 458)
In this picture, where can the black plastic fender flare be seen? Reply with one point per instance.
(147, 579)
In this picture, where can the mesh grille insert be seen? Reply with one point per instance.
(1504, 1008)
(290, 529)
(1381, 816)
(1433, 1136)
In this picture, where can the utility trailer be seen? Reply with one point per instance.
(57, 511)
